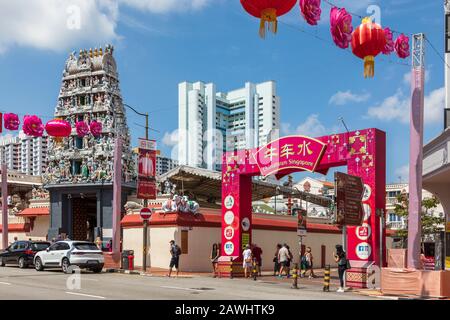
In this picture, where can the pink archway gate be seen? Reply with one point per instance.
(364, 154)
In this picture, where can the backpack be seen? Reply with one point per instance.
(178, 250)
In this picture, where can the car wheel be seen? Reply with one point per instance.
(65, 264)
(38, 264)
(2, 263)
(97, 270)
(22, 263)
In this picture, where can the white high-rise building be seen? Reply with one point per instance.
(164, 164)
(24, 154)
(212, 122)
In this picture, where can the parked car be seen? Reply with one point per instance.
(65, 254)
(22, 253)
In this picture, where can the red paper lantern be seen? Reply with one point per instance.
(368, 40)
(58, 128)
(268, 11)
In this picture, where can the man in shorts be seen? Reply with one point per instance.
(175, 253)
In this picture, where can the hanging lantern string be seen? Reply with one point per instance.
(436, 51)
(295, 27)
(332, 45)
(333, 5)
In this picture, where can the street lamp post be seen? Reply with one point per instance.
(145, 229)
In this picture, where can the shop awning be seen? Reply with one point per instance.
(206, 185)
(34, 212)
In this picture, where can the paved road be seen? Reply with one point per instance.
(25, 284)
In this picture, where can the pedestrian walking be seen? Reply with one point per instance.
(257, 254)
(98, 243)
(343, 264)
(215, 254)
(247, 261)
(276, 262)
(290, 260)
(309, 263)
(283, 258)
(175, 252)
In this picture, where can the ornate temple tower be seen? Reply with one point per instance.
(80, 169)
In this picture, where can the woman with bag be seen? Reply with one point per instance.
(247, 261)
(276, 261)
(343, 264)
(215, 254)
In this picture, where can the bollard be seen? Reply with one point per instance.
(231, 267)
(254, 270)
(295, 276)
(326, 278)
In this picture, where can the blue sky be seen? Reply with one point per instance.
(160, 43)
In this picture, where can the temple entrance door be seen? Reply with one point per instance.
(84, 221)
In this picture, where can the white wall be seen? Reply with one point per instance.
(200, 240)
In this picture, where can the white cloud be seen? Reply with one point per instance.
(397, 107)
(341, 98)
(312, 127)
(403, 173)
(164, 6)
(57, 24)
(170, 139)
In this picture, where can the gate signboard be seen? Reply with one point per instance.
(349, 196)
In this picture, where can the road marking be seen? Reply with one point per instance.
(180, 288)
(85, 295)
(5, 283)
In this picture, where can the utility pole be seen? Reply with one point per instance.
(416, 150)
(4, 175)
(145, 235)
(145, 227)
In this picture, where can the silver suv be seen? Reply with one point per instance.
(65, 254)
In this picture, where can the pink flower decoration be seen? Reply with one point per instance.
(402, 46)
(11, 121)
(389, 47)
(96, 128)
(82, 129)
(311, 11)
(341, 27)
(32, 126)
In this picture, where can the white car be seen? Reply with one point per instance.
(65, 254)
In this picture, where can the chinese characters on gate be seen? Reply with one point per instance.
(289, 153)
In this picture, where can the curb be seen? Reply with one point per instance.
(122, 271)
(145, 274)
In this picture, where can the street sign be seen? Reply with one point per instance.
(146, 144)
(146, 213)
(349, 196)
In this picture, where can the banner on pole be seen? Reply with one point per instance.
(146, 187)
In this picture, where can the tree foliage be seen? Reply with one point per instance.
(430, 224)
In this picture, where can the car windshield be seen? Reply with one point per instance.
(40, 246)
(85, 246)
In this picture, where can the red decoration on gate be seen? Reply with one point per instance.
(267, 11)
(96, 128)
(368, 40)
(32, 126)
(341, 27)
(58, 128)
(402, 46)
(311, 11)
(12, 121)
(82, 129)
